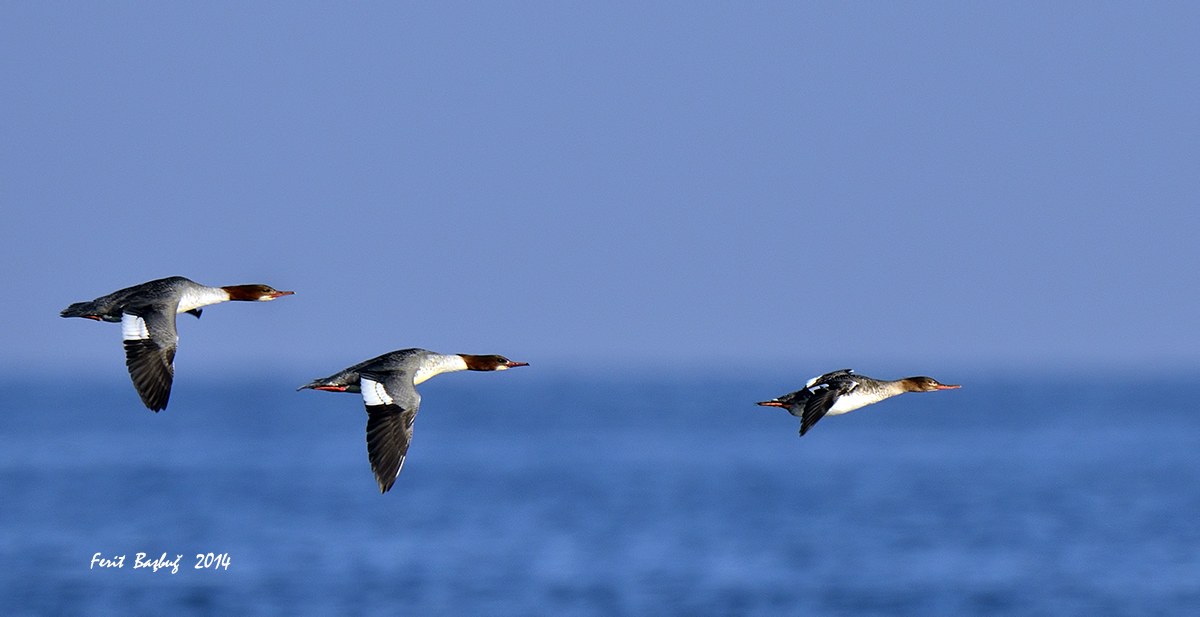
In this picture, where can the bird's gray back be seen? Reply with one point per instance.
(404, 360)
(390, 365)
(146, 294)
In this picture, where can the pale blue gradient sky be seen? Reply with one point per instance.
(715, 184)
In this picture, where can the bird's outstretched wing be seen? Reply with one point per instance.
(150, 342)
(392, 406)
(825, 392)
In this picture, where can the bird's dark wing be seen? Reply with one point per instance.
(150, 343)
(392, 403)
(389, 433)
(831, 377)
(824, 396)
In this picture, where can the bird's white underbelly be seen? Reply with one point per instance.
(852, 401)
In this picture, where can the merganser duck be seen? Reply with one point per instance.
(388, 387)
(147, 315)
(836, 393)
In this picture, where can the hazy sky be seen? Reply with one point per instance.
(719, 184)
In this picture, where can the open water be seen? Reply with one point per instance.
(525, 495)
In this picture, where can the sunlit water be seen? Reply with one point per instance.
(539, 496)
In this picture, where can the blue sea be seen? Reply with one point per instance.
(531, 495)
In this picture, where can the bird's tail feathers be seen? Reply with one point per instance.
(333, 383)
(89, 310)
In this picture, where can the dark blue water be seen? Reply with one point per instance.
(548, 496)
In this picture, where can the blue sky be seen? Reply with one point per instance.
(725, 185)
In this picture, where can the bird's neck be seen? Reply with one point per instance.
(201, 295)
(436, 364)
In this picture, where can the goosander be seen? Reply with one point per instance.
(836, 393)
(388, 387)
(147, 315)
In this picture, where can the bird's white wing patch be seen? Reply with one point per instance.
(811, 382)
(133, 328)
(373, 393)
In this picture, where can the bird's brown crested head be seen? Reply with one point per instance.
(254, 293)
(925, 384)
(489, 363)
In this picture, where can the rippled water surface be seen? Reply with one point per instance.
(551, 496)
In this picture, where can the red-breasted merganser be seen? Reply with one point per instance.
(388, 386)
(147, 315)
(836, 393)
